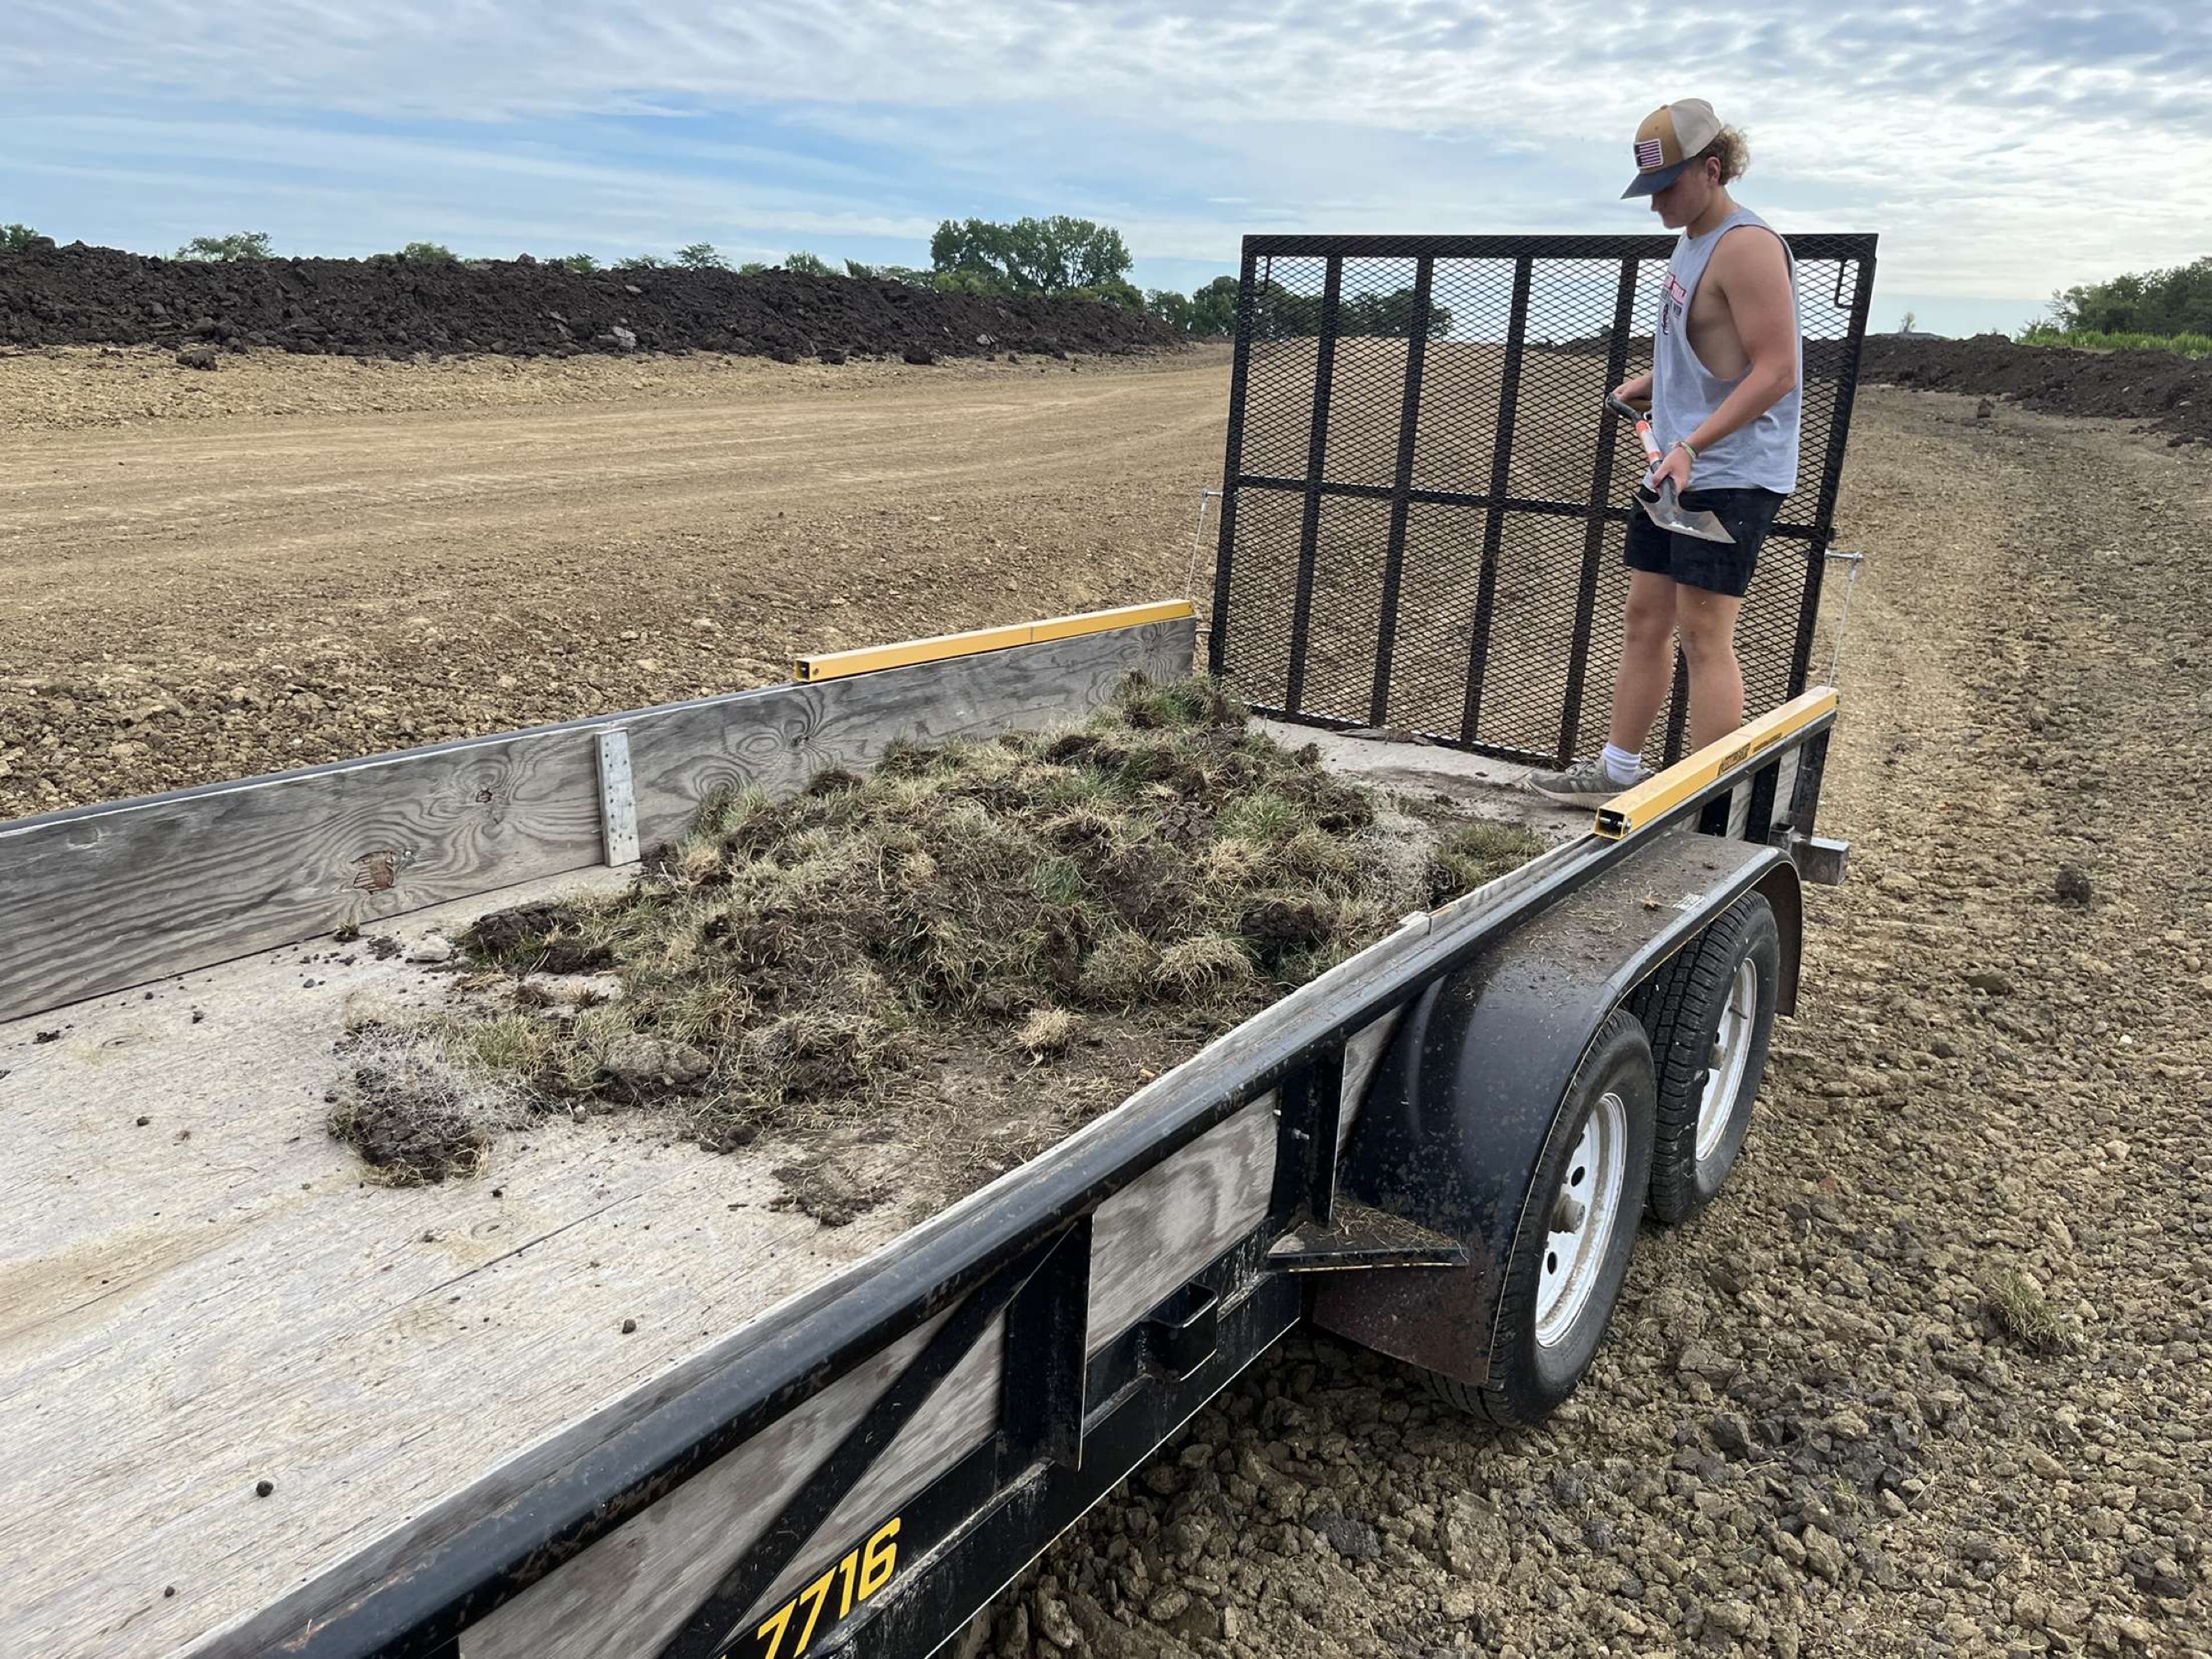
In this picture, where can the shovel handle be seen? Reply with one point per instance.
(1642, 422)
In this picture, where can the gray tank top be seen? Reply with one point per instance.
(1761, 456)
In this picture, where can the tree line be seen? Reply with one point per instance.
(2177, 301)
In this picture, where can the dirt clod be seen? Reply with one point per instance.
(826, 1191)
(2072, 885)
(414, 1115)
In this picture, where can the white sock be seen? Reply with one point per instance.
(1623, 765)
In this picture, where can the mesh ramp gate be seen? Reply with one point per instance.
(1424, 500)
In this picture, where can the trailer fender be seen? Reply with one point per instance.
(1457, 1120)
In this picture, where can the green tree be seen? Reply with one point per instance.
(17, 238)
(238, 245)
(641, 262)
(1166, 305)
(429, 254)
(1116, 291)
(582, 264)
(751, 268)
(1213, 309)
(701, 256)
(807, 264)
(2177, 300)
(1055, 255)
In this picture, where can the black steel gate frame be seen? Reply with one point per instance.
(1597, 510)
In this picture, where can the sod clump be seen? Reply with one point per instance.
(1105, 897)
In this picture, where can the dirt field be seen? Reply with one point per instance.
(1811, 1434)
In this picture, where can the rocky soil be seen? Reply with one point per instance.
(2168, 393)
(394, 307)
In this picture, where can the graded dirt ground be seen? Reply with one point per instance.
(1813, 1430)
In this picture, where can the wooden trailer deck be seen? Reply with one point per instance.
(227, 1363)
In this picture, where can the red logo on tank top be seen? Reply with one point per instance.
(1677, 297)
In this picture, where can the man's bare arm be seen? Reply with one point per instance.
(1754, 279)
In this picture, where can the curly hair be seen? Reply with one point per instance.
(1730, 150)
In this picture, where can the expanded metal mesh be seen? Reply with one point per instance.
(1425, 499)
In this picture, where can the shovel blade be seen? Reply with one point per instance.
(1668, 514)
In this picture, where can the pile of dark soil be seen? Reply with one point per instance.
(1029, 926)
(2168, 390)
(391, 307)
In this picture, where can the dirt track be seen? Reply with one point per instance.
(1808, 1436)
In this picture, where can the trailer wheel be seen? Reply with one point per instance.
(1575, 1237)
(1710, 1012)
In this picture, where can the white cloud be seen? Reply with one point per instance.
(2002, 150)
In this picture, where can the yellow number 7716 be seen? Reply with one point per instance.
(864, 1571)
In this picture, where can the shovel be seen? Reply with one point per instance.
(1660, 505)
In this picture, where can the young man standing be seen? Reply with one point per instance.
(1723, 390)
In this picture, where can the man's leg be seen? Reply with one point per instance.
(1705, 623)
(1646, 673)
(1647, 658)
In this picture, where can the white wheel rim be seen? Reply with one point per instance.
(1731, 1056)
(1585, 1210)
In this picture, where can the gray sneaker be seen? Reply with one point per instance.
(1586, 783)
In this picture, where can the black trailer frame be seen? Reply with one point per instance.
(1419, 456)
(1071, 1425)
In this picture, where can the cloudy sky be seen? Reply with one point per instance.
(2000, 149)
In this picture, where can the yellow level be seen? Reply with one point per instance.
(837, 664)
(1654, 798)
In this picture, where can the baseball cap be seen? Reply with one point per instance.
(1666, 141)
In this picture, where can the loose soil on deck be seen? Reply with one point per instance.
(965, 956)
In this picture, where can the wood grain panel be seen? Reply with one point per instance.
(105, 897)
(632, 1589)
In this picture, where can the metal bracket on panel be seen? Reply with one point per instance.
(1309, 1111)
(1818, 858)
(1363, 1236)
(1180, 1335)
(1047, 1323)
(617, 798)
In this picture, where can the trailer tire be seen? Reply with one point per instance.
(1554, 1305)
(1710, 1011)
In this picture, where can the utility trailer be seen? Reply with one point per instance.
(249, 1407)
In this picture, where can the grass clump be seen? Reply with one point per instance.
(2022, 1311)
(1161, 869)
(1477, 855)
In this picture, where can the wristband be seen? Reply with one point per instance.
(1684, 443)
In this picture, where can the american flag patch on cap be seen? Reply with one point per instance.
(1648, 155)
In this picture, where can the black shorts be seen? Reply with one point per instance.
(1716, 567)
